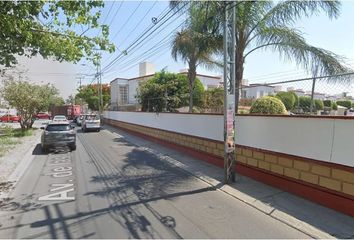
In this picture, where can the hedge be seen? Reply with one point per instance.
(345, 103)
(287, 99)
(268, 105)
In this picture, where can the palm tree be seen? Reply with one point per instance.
(196, 47)
(268, 25)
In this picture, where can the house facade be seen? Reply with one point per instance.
(124, 90)
(257, 91)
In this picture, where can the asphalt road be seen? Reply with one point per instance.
(110, 188)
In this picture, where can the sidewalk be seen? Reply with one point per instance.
(16, 161)
(306, 216)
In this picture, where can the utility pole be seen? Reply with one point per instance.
(313, 89)
(229, 91)
(99, 86)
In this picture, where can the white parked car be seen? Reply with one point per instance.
(59, 118)
(91, 122)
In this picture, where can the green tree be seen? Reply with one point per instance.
(50, 29)
(29, 99)
(196, 48)
(89, 94)
(167, 92)
(268, 25)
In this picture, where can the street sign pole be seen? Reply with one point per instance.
(229, 91)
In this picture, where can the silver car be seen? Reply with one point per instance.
(58, 134)
(91, 122)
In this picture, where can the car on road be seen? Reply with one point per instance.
(42, 115)
(59, 118)
(58, 134)
(80, 119)
(10, 118)
(91, 122)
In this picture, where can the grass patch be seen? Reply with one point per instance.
(18, 133)
(9, 137)
(7, 143)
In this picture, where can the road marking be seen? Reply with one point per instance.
(58, 196)
(60, 186)
(60, 190)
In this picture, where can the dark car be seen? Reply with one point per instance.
(58, 134)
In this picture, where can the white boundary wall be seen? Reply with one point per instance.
(326, 139)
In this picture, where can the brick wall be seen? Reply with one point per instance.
(329, 176)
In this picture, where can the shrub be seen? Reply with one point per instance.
(352, 104)
(296, 98)
(268, 105)
(246, 101)
(305, 103)
(345, 103)
(327, 103)
(334, 106)
(287, 99)
(318, 105)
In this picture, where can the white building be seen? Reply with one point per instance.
(299, 92)
(257, 91)
(124, 90)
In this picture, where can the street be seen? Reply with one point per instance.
(111, 188)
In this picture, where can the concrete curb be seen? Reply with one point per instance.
(21, 168)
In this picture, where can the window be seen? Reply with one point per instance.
(58, 127)
(123, 95)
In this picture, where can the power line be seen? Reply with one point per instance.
(139, 22)
(107, 60)
(303, 79)
(116, 12)
(138, 41)
(145, 32)
(109, 11)
(161, 45)
(125, 23)
(160, 42)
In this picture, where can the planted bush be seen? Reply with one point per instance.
(296, 98)
(327, 103)
(305, 103)
(334, 106)
(287, 99)
(268, 105)
(345, 103)
(318, 105)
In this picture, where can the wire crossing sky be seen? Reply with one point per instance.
(129, 20)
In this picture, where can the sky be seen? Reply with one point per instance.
(129, 19)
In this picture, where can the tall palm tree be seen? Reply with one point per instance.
(268, 25)
(196, 47)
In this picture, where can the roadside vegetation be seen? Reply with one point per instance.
(29, 99)
(260, 25)
(10, 137)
